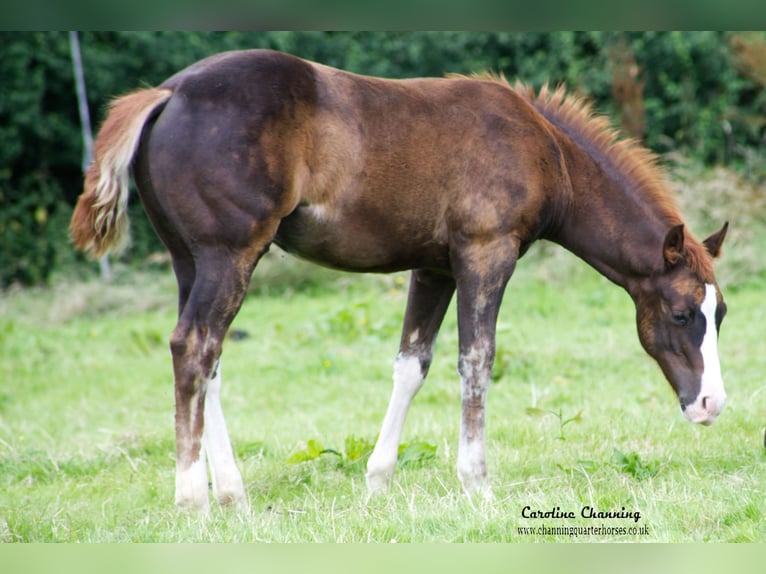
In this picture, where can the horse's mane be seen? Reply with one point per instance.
(575, 116)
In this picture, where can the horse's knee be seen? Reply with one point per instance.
(409, 374)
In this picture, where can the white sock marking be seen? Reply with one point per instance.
(471, 459)
(191, 482)
(227, 480)
(408, 378)
(191, 485)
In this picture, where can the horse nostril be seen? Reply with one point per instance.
(704, 409)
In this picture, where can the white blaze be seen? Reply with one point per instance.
(712, 395)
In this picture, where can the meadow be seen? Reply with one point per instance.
(578, 415)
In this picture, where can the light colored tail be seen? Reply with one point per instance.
(100, 221)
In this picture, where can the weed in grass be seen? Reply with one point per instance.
(563, 421)
(633, 465)
(314, 449)
(358, 450)
(416, 454)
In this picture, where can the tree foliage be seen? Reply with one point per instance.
(697, 97)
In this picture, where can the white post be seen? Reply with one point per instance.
(87, 133)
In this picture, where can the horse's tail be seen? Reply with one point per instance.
(100, 221)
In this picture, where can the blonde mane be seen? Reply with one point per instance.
(575, 116)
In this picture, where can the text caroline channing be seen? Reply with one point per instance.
(585, 512)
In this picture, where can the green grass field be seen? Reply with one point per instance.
(579, 416)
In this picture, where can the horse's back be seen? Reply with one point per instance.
(375, 174)
(244, 75)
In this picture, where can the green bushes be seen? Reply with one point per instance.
(699, 98)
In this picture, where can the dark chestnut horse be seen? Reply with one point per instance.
(453, 178)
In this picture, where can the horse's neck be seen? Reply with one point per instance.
(617, 232)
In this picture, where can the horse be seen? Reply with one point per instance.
(452, 178)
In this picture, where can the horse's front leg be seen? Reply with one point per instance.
(479, 290)
(475, 368)
(429, 297)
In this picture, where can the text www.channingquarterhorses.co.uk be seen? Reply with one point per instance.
(611, 523)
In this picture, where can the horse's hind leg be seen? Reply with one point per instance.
(228, 488)
(219, 286)
(429, 297)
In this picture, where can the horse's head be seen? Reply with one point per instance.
(679, 312)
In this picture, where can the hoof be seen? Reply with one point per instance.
(477, 487)
(234, 501)
(377, 483)
(191, 506)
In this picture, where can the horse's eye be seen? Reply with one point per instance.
(680, 317)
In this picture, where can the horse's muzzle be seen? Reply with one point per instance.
(705, 409)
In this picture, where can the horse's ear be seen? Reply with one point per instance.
(713, 243)
(673, 249)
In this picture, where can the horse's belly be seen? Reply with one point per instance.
(358, 244)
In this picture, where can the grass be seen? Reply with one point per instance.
(578, 414)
